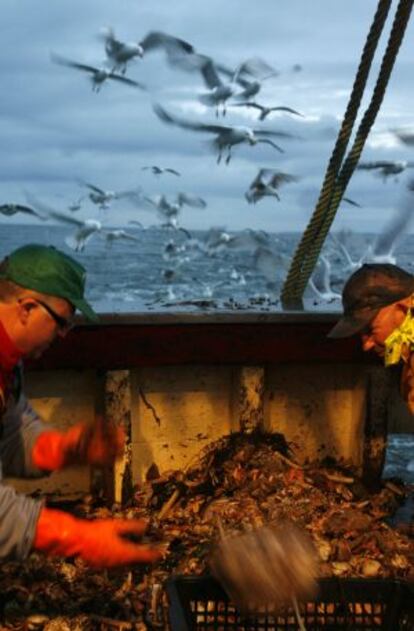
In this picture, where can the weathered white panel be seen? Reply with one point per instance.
(191, 407)
(176, 411)
(320, 409)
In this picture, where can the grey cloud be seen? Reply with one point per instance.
(53, 129)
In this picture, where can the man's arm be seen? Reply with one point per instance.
(22, 427)
(32, 448)
(18, 522)
(26, 525)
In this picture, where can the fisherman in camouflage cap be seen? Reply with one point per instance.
(378, 305)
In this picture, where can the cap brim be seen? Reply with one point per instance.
(86, 309)
(350, 325)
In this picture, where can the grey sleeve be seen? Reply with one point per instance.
(21, 427)
(18, 519)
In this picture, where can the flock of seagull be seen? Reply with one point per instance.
(224, 88)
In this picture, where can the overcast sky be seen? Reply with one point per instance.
(54, 130)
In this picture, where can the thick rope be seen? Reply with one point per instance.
(289, 292)
(402, 17)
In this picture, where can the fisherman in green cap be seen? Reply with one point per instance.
(40, 290)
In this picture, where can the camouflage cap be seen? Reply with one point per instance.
(370, 288)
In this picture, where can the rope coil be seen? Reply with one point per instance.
(337, 178)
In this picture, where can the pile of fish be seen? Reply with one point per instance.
(238, 483)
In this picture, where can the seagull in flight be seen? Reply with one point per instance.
(249, 75)
(12, 209)
(84, 229)
(226, 136)
(76, 205)
(383, 248)
(340, 240)
(103, 198)
(249, 240)
(265, 111)
(272, 265)
(97, 75)
(170, 210)
(405, 135)
(386, 168)
(320, 281)
(219, 91)
(120, 53)
(156, 170)
(115, 235)
(266, 184)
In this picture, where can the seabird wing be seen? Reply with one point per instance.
(278, 178)
(351, 202)
(378, 164)
(113, 46)
(94, 188)
(172, 45)
(277, 134)
(62, 217)
(406, 135)
(62, 61)
(248, 104)
(129, 237)
(210, 74)
(270, 142)
(283, 108)
(397, 225)
(179, 122)
(121, 79)
(191, 200)
(12, 209)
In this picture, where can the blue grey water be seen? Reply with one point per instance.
(134, 276)
(140, 276)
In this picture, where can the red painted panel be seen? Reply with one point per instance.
(112, 346)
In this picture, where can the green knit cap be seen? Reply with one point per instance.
(46, 269)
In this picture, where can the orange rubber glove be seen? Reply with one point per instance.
(98, 444)
(101, 542)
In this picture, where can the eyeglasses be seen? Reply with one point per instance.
(64, 324)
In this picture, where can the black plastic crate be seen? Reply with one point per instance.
(201, 604)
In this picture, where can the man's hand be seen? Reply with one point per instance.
(101, 542)
(99, 444)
